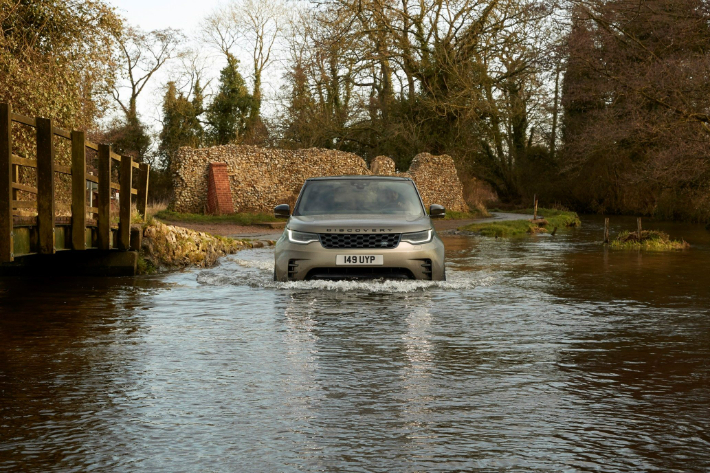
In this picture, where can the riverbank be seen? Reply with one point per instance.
(169, 248)
(237, 225)
(521, 222)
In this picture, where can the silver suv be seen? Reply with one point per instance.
(359, 227)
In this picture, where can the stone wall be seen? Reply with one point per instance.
(261, 178)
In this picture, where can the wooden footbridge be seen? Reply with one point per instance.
(37, 223)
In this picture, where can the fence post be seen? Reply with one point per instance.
(104, 203)
(606, 230)
(45, 186)
(638, 226)
(15, 179)
(142, 184)
(124, 225)
(7, 240)
(78, 190)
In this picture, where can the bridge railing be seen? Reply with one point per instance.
(46, 233)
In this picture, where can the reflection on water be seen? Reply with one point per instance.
(546, 354)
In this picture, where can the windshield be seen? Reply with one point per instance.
(359, 196)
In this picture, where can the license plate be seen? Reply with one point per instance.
(359, 260)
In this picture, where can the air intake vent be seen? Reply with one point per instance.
(292, 268)
(426, 268)
(360, 240)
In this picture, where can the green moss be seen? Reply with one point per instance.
(510, 228)
(651, 240)
(506, 228)
(145, 266)
(555, 218)
(234, 219)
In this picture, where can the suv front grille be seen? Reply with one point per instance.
(360, 240)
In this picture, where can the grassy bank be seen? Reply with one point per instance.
(651, 240)
(233, 219)
(552, 221)
(477, 213)
(555, 218)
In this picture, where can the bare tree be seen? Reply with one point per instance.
(635, 94)
(222, 30)
(254, 26)
(189, 71)
(263, 23)
(142, 55)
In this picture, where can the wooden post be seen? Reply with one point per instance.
(535, 215)
(15, 179)
(78, 190)
(606, 231)
(7, 241)
(142, 184)
(104, 203)
(45, 186)
(124, 225)
(638, 226)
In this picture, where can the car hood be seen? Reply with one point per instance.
(359, 223)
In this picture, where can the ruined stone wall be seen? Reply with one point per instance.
(261, 178)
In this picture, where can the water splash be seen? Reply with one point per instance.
(255, 269)
(258, 264)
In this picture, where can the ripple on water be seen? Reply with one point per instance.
(534, 356)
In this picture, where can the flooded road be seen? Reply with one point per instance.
(539, 354)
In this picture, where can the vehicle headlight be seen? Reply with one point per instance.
(418, 238)
(301, 237)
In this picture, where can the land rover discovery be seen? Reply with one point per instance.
(359, 227)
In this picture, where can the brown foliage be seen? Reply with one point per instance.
(395, 78)
(56, 59)
(636, 98)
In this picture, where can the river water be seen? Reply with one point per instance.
(539, 354)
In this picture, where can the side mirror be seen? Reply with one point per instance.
(282, 211)
(437, 211)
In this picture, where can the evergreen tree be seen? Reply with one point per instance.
(181, 125)
(301, 126)
(228, 114)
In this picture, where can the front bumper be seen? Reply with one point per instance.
(312, 260)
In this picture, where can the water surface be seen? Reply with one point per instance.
(539, 354)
